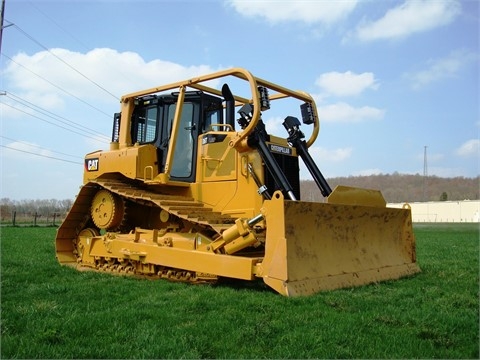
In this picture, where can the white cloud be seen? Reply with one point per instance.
(323, 158)
(343, 112)
(116, 72)
(274, 125)
(347, 83)
(468, 148)
(413, 16)
(341, 85)
(367, 172)
(322, 155)
(448, 172)
(443, 68)
(325, 12)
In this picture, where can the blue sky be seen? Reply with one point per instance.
(389, 78)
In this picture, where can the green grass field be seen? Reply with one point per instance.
(50, 311)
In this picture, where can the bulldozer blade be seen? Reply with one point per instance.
(325, 246)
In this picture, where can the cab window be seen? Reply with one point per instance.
(145, 125)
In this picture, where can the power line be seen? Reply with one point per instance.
(40, 147)
(56, 86)
(83, 45)
(63, 61)
(57, 24)
(91, 134)
(56, 117)
(45, 156)
(52, 123)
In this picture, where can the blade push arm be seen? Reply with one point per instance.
(295, 138)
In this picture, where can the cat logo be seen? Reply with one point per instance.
(91, 164)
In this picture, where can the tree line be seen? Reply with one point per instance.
(33, 212)
(403, 188)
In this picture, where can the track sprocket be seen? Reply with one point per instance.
(107, 210)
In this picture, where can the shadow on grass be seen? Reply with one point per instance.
(241, 285)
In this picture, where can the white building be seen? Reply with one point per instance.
(443, 211)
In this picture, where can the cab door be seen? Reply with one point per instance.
(185, 151)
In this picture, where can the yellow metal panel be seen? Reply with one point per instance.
(313, 246)
(218, 160)
(136, 162)
(347, 195)
(226, 185)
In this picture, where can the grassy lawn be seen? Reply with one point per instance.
(50, 311)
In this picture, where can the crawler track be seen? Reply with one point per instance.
(193, 215)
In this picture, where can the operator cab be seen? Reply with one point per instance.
(152, 122)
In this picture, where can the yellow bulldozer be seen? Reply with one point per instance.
(194, 189)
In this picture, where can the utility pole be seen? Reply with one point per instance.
(425, 173)
(1, 23)
(2, 16)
